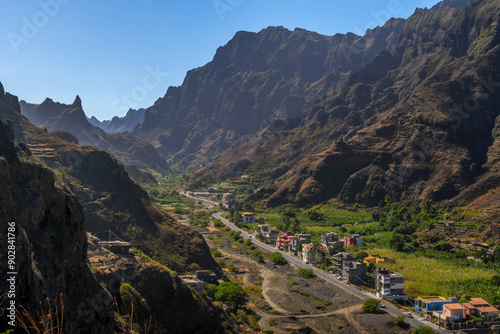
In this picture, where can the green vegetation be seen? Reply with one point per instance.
(292, 283)
(305, 273)
(218, 223)
(371, 306)
(400, 321)
(278, 258)
(423, 330)
(446, 277)
(312, 298)
(215, 252)
(231, 292)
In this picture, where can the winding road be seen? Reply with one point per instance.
(415, 322)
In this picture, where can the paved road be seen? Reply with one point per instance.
(322, 274)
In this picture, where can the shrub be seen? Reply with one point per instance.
(220, 262)
(371, 306)
(233, 268)
(423, 330)
(400, 321)
(278, 258)
(306, 273)
(215, 252)
(248, 242)
(260, 258)
(218, 223)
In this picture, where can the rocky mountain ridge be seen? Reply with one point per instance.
(127, 148)
(126, 123)
(255, 80)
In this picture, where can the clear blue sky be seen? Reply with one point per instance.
(104, 50)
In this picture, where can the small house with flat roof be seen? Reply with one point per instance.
(430, 304)
(248, 218)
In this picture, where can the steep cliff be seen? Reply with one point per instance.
(50, 243)
(255, 80)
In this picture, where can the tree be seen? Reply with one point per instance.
(314, 215)
(361, 255)
(305, 273)
(286, 223)
(319, 252)
(278, 258)
(423, 330)
(371, 306)
(210, 290)
(295, 225)
(396, 242)
(231, 292)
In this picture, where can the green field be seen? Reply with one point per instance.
(431, 277)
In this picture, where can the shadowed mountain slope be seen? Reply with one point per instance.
(255, 80)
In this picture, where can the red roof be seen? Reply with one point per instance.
(454, 306)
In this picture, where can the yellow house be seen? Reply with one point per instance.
(370, 259)
(378, 259)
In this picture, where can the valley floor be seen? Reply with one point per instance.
(286, 303)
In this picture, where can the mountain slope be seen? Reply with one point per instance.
(50, 241)
(128, 149)
(256, 80)
(417, 122)
(111, 200)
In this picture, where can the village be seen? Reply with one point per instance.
(367, 273)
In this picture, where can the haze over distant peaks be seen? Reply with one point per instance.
(120, 124)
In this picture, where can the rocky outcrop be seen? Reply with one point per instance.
(161, 301)
(50, 245)
(129, 149)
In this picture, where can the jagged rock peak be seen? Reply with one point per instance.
(2, 91)
(78, 102)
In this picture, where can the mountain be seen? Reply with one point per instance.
(126, 123)
(111, 200)
(50, 240)
(129, 149)
(417, 122)
(55, 191)
(255, 80)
